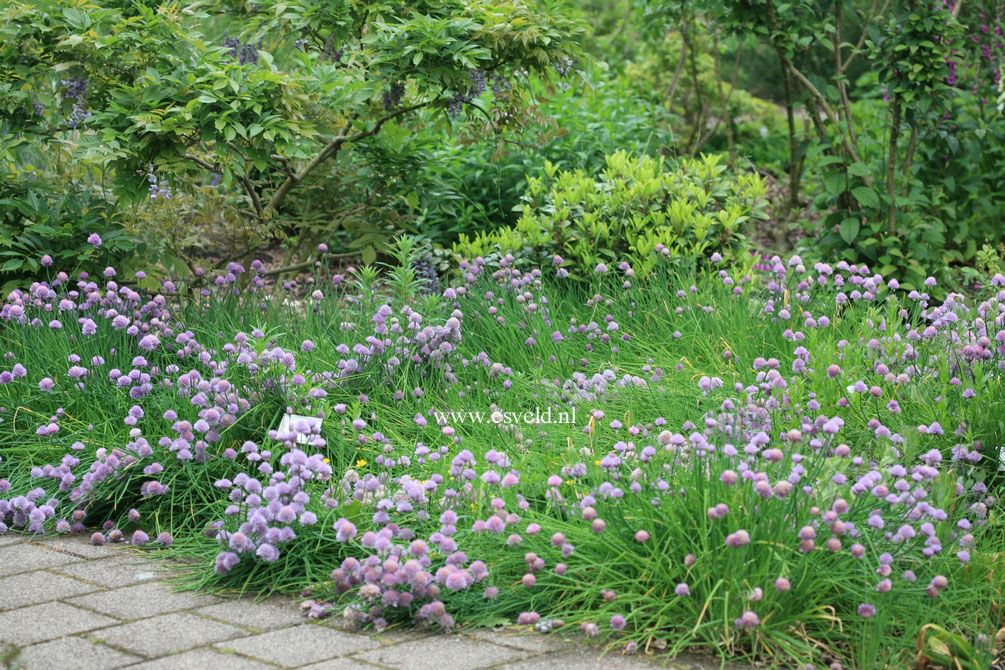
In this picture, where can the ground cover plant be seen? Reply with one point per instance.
(760, 458)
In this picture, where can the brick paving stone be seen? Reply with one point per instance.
(583, 660)
(524, 640)
(166, 634)
(81, 546)
(593, 658)
(13, 538)
(73, 653)
(262, 616)
(307, 643)
(141, 601)
(25, 557)
(48, 621)
(346, 663)
(113, 572)
(399, 635)
(464, 653)
(32, 588)
(99, 583)
(205, 658)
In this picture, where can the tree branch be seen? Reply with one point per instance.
(201, 163)
(250, 190)
(824, 105)
(678, 71)
(332, 148)
(861, 38)
(891, 166)
(301, 266)
(839, 76)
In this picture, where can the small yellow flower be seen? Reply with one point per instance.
(596, 462)
(361, 463)
(326, 460)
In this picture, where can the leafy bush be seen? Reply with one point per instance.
(702, 104)
(471, 181)
(154, 95)
(635, 206)
(45, 226)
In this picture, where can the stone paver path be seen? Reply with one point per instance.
(69, 605)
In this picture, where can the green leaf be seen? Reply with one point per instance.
(849, 229)
(858, 169)
(12, 264)
(866, 196)
(830, 160)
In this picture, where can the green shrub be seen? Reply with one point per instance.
(692, 207)
(155, 95)
(693, 109)
(44, 224)
(471, 181)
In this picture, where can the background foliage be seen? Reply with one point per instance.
(193, 134)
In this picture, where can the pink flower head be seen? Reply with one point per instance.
(738, 539)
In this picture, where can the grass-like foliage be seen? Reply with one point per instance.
(769, 461)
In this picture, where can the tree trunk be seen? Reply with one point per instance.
(891, 167)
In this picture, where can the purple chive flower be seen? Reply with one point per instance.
(525, 618)
(682, 590)
(738, 539)
(618, 622)
(866, 611)
(344, 530)
(267, 553)
(94, 240)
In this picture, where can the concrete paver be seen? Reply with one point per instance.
(300, 645)
(465, 653)
(48, 621)
(69, 604)
(262, 616)
(118, 569)
(26, 557)
(75, 653)
(162, 635)
(33, 588)
(141, 601)
(203, 658)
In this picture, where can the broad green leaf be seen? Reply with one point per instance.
(866, 196)
(849, 229)
(858, 169)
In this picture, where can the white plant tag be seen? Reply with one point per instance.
(289, 420)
